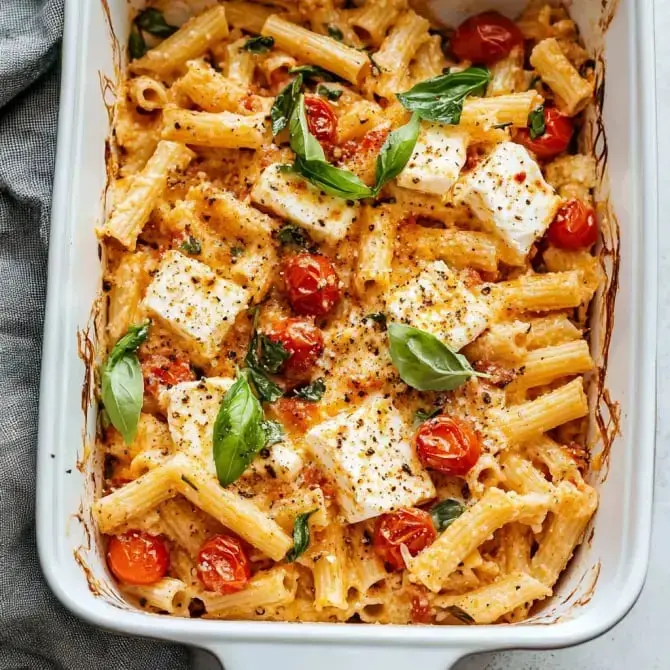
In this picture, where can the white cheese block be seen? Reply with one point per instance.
(325, 217)
(369, 455)
(440, 302)
(192, 408)
(437, 160)
(196, 304)
(508, 193)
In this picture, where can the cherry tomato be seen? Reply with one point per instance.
(296, 413)
(412, 527)
(321, 119)
(574, 226)
(137, 557)
(421, 611)
(162, 372)
(302, 339)
(486, 38)
(557, 135)
(312, 284)
(223, 565)
(448, 445)
(372, 142)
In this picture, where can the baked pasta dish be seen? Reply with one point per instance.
(348, 261)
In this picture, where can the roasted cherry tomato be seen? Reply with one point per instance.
(448, 445)
(303, 341)
(421, 611)
(412, 527)
(137, 557)
(574, 227)
(486, 38)
(321, 119)
(161, 372)
(312, 284)
(556, 137)
(223, 565)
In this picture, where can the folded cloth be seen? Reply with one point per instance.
(35, 631)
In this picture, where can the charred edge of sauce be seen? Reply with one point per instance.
(116, 45)
(86, 353)
(608, 11)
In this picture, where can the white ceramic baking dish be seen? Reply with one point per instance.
(607, 574)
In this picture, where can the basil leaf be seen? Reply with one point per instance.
(377, 317)
(396, 151)
(303, 143)
(426, 363)
(300, 537)
(460, 614)
(421, 416)
(441, 98)
(272, 354)
(191, 246)
(284, 104)
(332, 180)
(267, 390)
(314, 72)
(137, 47)
(445, 513)
(238, 432)
(335, 33)
(333, 94)
(536, 123)
(153, 22)
(274, 432)
(292, 234)
(122, 383)
(312, 392)
(259, 44)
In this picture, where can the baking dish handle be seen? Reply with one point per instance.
(278, 656)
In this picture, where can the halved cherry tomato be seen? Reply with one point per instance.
(412, 527)
(161, 372)
(574, 226)
(556, 137)
(448, 445)
(302, 339)
(421, 611)
(223, 565)
(486, 38)
(321, 119)
(312, 284)
(137, 557)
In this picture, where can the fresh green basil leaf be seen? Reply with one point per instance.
(396, 151)
(238, 431)
(284, 104)
(377, 317)
(312, 392)
(272, 354)
(153, 22)
(332, 180)
(335, 33)
(303, 143)
(445, 513)
(441, 98)
(274, 432)
(300, 537)
(421, 416)
(259, 44)
(333, 94)
(191, 245)
(137, 47)
(314, 72)
(460, 614)
(536, 123)
(267, 390)
(290, 234)
(426, 363)
(122, 383)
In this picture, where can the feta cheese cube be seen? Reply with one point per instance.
(196, 304)
(325, 217)
(440, 302)
(508, 193)
(437, 160)
(369, 455)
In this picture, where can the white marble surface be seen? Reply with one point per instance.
(640, 641)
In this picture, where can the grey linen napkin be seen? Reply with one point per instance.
(36, 633)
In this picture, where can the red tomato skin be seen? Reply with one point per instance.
(138, 558)
(574, 226)
(412, 527)
(165, 371)
(302, 339)
(223, 565)
(556, 138)
(312, 284)
(321, 119)
(486, 38)
(448, 445)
